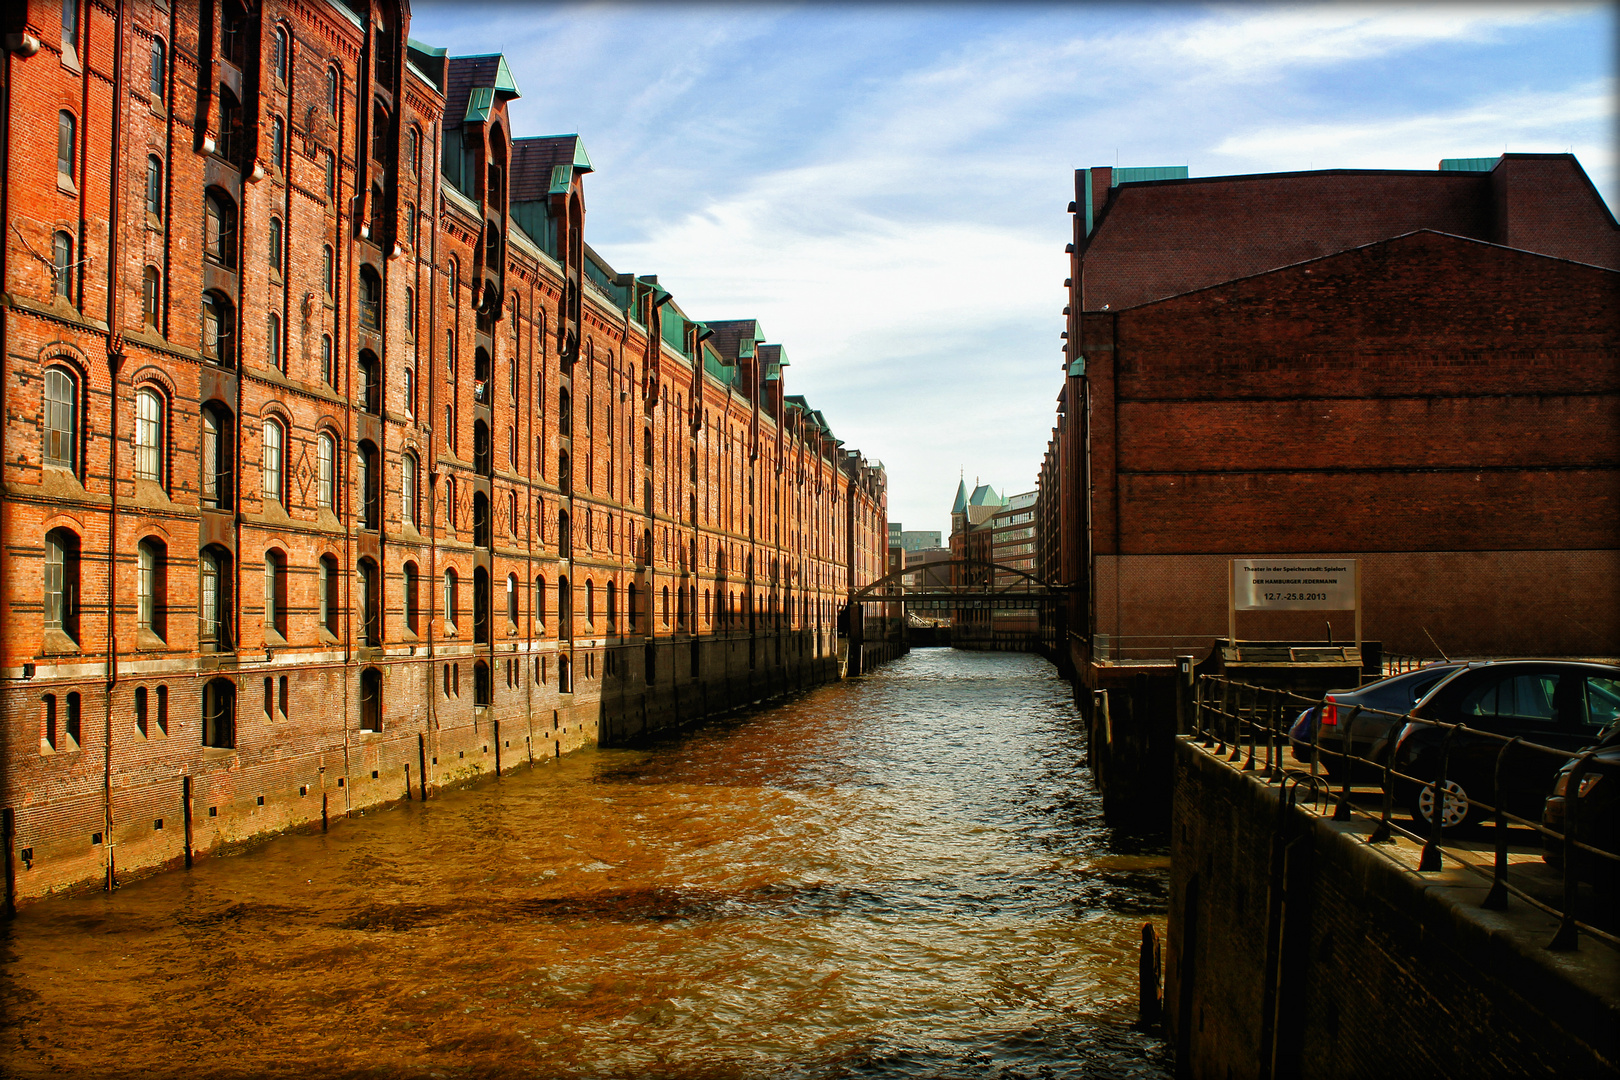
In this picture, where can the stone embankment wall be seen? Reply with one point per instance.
(1297, 949)
(310, 769)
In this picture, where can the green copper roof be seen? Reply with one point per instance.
(960, 505)
(1467, 164)
(561, 177)
(479, 102)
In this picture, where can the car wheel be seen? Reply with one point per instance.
(1455, 812)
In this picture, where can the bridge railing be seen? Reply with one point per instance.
(1251, 726)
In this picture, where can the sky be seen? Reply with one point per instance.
(884, 187)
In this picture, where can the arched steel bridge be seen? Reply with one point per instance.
(1025, 588)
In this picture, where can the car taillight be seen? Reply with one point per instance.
(1588, 782)
(1330, 712)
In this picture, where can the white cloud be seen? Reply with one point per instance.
(1257, 41)
(1580, 119)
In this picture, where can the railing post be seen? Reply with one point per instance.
(1497, 898)
(1254, 713)
(1430, 859)
(1383, 834)
(1568, 937)
(1199, 730)
(1220, 725)
(1341, 812)
(1237, 724)
(1274, 740)
(1316, 736)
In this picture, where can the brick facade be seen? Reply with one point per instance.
(521, 501)
(1414, 369)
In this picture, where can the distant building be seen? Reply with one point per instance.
(912, 540)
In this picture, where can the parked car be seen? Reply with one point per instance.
(1599, 804)
(1564, 705)
(1393, 694)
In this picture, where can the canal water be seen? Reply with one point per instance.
(902, 875)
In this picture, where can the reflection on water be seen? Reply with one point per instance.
(902, 875)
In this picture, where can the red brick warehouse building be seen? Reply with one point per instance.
(1415, 369)
(337, 465)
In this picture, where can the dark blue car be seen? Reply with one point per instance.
(1394, 694)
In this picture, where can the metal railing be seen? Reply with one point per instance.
(1249, 726)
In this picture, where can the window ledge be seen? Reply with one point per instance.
(58, 643)
(148, 641)
(273, 639)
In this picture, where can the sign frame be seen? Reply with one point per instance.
(1307, 565)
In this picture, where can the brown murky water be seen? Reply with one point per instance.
(903, 875)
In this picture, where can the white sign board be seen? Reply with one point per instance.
(1294, 584)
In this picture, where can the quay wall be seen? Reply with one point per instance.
(159, 803)
(1296, 949)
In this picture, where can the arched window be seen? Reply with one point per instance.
(565, 609)
(370, 603)
(565, 677)
(61, 418)
(330, 604)
(149, 456)
(328, 368)
(370, 382)
(152, 586)
(219, 227)
(414, 149)
(62, 265)
(275, 592)
(274, 452)
(275, 245)
(216, 457)
(62, 582)
(450, 600)
(329, 174)
(218, 329)
(370, 299)
(370, 486)
(511, 599)
(408, 384)
(151, 296)
(565, 412)
(158, 81)
(154, 187)
(540, 604)
(213, 601)
(590, 602)
(326, 470)
(278, 55)
(272, 339)
(413, 608)
(481, 685)
(328, 271)
(410, 315)
(665, 598)
(408, 489)
(219, 714)
(612, 606)
(632, 598)
(66, 145)
(332, 91)
(565, 536)
(278, 144)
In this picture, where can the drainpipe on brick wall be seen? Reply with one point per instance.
(115, 365)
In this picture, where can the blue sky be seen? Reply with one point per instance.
(884, 186)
